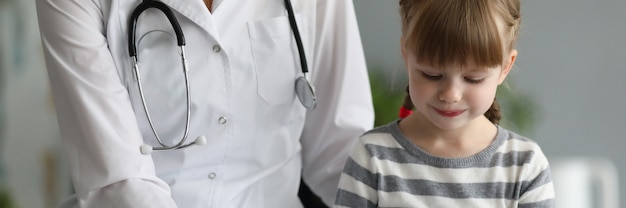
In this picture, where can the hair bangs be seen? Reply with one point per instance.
(462, 33)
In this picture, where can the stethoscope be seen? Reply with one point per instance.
(303, 88)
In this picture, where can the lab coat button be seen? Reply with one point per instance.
(222, 120)
(217, 48)
(212, 175)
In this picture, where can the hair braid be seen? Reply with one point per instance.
(493, 114)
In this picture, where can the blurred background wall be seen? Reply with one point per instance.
(570, 66)
(32, 174)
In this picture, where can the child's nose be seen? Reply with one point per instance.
(450, 92)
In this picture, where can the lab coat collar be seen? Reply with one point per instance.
(196, 11)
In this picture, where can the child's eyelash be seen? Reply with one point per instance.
(438, 77)
(474, 81)
(432, 77)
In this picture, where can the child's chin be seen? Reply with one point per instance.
(449, 123)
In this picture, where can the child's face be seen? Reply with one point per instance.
(453, 97)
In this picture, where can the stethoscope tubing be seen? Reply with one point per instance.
(146, 4)
(188, 98)
(296, 34)
(302, 83)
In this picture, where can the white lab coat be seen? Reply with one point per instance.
(243, 64)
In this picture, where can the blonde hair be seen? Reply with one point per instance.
(441, 33)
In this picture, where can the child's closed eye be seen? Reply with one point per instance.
(474, 80)
(432, 76)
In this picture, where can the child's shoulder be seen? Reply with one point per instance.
(511, 135)
(380, 134)
(516, 142)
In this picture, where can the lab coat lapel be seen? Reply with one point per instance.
(196, 11)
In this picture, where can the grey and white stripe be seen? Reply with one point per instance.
(387, 170)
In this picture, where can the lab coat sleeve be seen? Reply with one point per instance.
(100, 134)
(345, 109)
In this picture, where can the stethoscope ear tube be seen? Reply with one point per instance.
(132, 49)
(181, 143)
(132, 24)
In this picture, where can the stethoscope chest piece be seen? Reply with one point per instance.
(306, 93)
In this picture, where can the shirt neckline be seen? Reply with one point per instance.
(479, 157)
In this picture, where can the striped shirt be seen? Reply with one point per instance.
(386, 170)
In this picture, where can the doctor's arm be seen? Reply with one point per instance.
(99, 131)
(345, 109)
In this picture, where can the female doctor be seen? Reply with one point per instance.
(251, 123)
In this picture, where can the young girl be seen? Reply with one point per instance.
(450, 152)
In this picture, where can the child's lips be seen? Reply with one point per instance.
(449, 113)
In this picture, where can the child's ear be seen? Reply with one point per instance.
(510, 60)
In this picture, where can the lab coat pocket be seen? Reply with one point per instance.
(275, 57)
